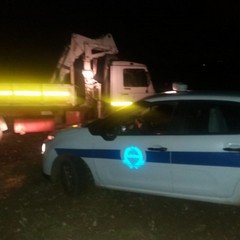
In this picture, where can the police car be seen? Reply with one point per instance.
(178, 144)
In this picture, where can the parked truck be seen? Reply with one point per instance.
(88, 82)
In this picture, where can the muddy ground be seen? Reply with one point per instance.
(31, 208)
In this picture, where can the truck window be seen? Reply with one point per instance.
(135, 78)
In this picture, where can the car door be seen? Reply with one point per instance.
(205, 155)
(134, 160)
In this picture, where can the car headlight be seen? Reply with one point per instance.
(43, 148)
(50, 137)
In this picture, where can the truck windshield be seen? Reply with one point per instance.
(135, 78)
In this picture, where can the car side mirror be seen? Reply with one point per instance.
(109, 134)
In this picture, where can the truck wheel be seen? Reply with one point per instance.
(73, 176)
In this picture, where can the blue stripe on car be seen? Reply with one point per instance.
(158, 157)
(97, 153)
(207, 158)
(187, 158)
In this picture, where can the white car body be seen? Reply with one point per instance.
(190, 165)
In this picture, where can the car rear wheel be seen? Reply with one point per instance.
(74, 176)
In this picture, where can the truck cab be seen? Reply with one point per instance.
(129, 82)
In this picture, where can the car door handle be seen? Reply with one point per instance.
(232, 149)
(160, 149)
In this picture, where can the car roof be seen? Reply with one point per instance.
(195, 95)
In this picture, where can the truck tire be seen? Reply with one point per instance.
(74, 176)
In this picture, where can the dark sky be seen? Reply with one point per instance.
(176, 39)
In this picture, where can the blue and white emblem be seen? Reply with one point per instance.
(133, 157)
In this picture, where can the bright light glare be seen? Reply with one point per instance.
(120, 104)
(87, 74)
(33, 125)
(54, 93)
(35, 93)
(6, 93)
(169, 92)
(43, 148)
(3, 125)
(50, 137)
(27, 93)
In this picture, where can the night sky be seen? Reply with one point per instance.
(196, 44)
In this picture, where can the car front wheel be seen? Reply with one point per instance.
(73, 176)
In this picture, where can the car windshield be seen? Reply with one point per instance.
(118, 117)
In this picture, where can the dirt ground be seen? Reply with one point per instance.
(31, 208)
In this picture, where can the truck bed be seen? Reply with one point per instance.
(20, 95)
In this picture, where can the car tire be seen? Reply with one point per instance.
(74, 176)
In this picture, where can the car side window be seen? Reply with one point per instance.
(206, 117)
(151, 120)
(191, 118)
(160, 117)
(231, 114)
(183, 117)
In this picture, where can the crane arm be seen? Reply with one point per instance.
(91, 48)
